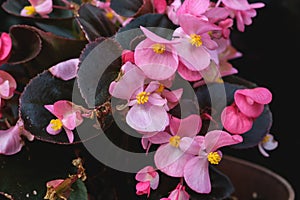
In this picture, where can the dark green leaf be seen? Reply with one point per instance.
(79, 191)
(94, 22)
(131, 8)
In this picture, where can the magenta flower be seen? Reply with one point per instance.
(195, 49)
(242, 11)
(160, 6)
(148, 102)
(65, 70)
(156, 56)
(5, 47)
(68, 117)
(206, 151)
(8, 85)
(11, 140)
(179, 193)
(41, 7)
(234, 121)
(169, 157)
(251, 101)
(148, 179)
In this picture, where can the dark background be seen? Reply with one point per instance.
(270, 48)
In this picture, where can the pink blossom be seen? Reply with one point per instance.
(5, 47)
(169, 157)
(242, 11)
(267, 143)
(172, 9)
(196, 171)
(65, 70)
(234, 121)
(68, 115)
(11, 140)
(148, 179)
(160, 6)
(179, 193)
(194, 7)
(156, 56)
(251, 101)
(196, 48)
(127, 56)
(8, 85)
(147, 100)
(41, 7)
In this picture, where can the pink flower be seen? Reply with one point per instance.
(5, 47)
(205, 148)
(68, 115)
(251, 101)
(242, 11)
(169, 157)
(8, 85)
(267, 143)
(147, 101)
(178, 193)
(194, 7)
(148, 179)
(234, 121)
(196, 48)
(65, 70)
(160, 6)
(11, 140)
(41, 7)
(172, 9)
(156, 56)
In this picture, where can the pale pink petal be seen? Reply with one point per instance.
(196, 175)
(179, 193)
(50, 108)
(160, 138)
(70, 121)
(144, 174)
(51, 131)
(173, 97)
(216, 139)
(191, 145)
(43, 7)
(129, 83)
(237, 5)
(188, 74)
(11, 142)
(70, 135)
(65, 70)
(61, 108)
(156, 99)
(186, 127)
(216, 14)
(193, 7)
(171, 160)
(6, 77)
(147, 118)
(155, 38)
(234, 121)
(4, 89)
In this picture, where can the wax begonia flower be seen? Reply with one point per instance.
(251, 102)
(41, 7)
(8, 85)
(127, 56)
(148, 178)
(267, 143)
(156, 56)
(179, 193)
(196, 48)
(169, 158)
(193, 7)
(234, 121)
(12, 140)
(196, 170)
(160, 6)
(65, 70)
(5, 47)
(172, 9)
(148, 106)
(68, 117)
(242, 11)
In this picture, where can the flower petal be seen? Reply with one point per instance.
(65, 70)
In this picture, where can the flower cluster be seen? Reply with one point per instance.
(134, 63)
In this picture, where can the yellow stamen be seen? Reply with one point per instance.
(174, 141)
(266, 139)
(160, 88)
(159, 48)
(30, 10)
(196, 40)
(214, 158)
(110, 15)
(142, 97)
(56, 124)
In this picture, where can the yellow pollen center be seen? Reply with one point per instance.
(30, 10)
(159, 48)
(142, 97)
(160, 88)
(266, 139)
(214, 158)
(110, 15)
(56, 124)
(174, 141)
(195, 40)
